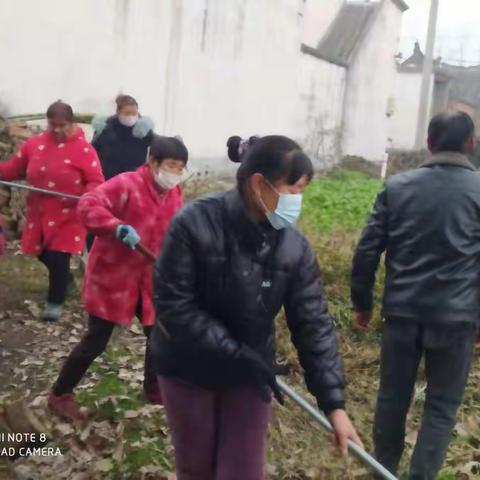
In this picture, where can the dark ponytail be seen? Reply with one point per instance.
(275, 157)
(237, 147)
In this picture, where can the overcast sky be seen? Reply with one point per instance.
(458, 31)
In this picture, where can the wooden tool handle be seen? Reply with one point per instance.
(147, 252)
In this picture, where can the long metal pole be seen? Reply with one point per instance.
(358, 451)
(425, 94)
(140, 247)
(38, 190)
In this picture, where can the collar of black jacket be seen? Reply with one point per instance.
(449, 158)
(256, 236)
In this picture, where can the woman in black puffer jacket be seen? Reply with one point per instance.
(229, 264)
(122, 140)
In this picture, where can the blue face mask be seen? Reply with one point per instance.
(288, 209)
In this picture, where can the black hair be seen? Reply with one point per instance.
(168, 147)
(237, 147)
(124, 101)
(448, 132)
(275, 157)
(62, 110)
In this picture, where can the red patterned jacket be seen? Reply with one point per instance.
(117, 278)
(71, 167)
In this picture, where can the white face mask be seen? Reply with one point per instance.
(167, 180)
(128, 121)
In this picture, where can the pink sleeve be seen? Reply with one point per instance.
(179, 199)
(15, 168)
(92, 171)
(98, 209)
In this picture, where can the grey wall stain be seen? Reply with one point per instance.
(321, 143)
(240, 30)
(174, 50)
(204, 27)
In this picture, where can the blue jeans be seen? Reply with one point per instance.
(448, 350)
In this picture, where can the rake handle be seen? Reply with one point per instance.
(320, 419)
(146, 252)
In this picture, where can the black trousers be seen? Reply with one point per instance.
(447, 349)
(89, 241)
(91, 346)
(58, 265)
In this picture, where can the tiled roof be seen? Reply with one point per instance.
(345, 34)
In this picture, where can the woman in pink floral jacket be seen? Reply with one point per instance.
(130, 208)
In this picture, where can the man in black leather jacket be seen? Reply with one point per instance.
(428, 222)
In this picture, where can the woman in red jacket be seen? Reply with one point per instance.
(129, 208)
(59, 159)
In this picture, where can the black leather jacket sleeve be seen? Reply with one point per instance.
(367, 256)
(176, 302)
(313, 334)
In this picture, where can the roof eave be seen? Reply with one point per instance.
(317, 54)
(376, 12)
(401, 4)
(418, 69)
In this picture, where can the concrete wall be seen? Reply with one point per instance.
(441, 94)
(321, 115)
(403, 123)
(204, 69)
(458, 106)
(371, 87)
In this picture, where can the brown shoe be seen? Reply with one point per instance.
(65, 406)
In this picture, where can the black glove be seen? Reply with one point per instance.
(261, 374)
(281, 369)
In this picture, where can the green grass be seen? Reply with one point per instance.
(339, 202)
(336, 207)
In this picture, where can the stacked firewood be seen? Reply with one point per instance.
(12, 202)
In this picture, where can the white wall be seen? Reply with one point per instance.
(323, 89)
(403, 126)
(204, 69)
(83, 52)
(370, 85)
(244, 80)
